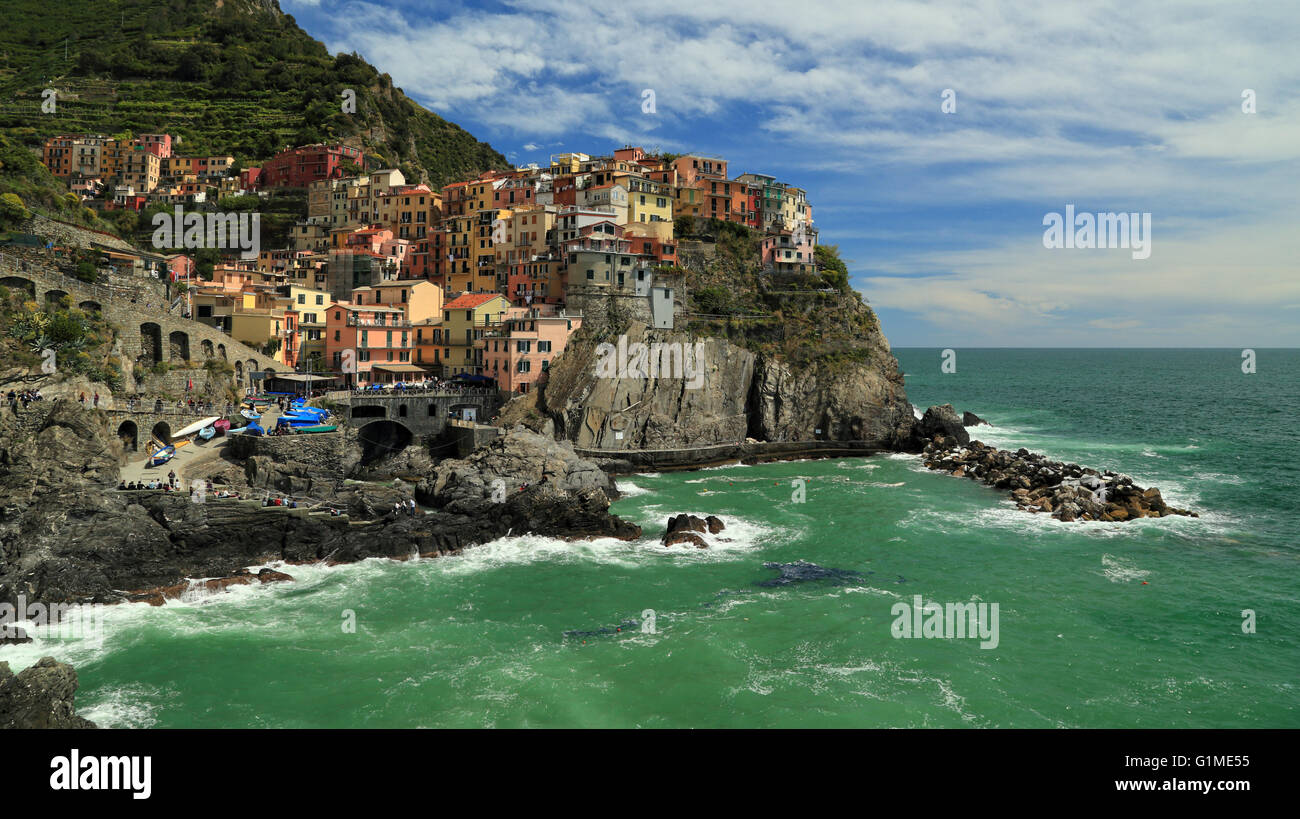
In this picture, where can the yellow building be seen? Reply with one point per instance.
(420, 299)
(460, 276)
(256, 326)
(649, 207)
(465, 319)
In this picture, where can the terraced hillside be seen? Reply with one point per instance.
(228, 76)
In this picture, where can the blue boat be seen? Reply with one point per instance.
(207, 432)
(312, 411)
(253, 429)
(162, 456)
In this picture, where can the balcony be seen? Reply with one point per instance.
(395, 323)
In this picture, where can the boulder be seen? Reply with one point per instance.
(942, 420)
(42, 696)
(970, 419)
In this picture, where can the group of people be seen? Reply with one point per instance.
(152, 484)
(406, 507)
(202, 407)
(431, 384)
(26, 397)
(280, 501)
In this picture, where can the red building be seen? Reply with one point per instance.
(663, 252)
(299, 167)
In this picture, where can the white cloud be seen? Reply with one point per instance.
(1114, 105)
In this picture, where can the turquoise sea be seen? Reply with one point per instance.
(1100, 625)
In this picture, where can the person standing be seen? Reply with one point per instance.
(96, 400)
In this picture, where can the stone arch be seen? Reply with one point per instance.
(162, 431)
(250, 366)
(369, 411)
(53, 296)
(150, 343)
(178, 345)
(380, 438)
(206, 346)
(239, 368)
(19, 283)
(221, 350)
(129, 434)
(89, 306)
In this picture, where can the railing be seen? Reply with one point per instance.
(445, 391)
(355, 322)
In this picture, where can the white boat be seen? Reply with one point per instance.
(196, 426)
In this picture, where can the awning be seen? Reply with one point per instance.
(397, 368)
(303, 378)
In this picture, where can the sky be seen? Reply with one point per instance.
(934, 140)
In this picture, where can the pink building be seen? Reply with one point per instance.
(784, 252)
(519, 355)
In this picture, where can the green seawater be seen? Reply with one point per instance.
(480, 640)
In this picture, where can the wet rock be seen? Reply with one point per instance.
(970, 419)
(941, 420)
(1068, 492)
(42, 696)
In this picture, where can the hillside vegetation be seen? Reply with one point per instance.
(227, 76)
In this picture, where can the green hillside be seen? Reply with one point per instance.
(227, 76)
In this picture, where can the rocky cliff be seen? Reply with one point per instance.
(781, 358)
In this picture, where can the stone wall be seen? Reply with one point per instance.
(69, 235)
(149, 330)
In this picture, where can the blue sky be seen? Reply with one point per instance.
(1130, 106)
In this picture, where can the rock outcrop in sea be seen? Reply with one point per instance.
(690, 529)
(1066, 491)
(42, 696)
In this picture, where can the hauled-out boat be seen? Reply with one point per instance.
(207, 433)
(196, 426)
(253, 429)
(249, 414)
(162, 456)
(318, 428)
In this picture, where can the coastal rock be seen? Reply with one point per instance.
(1068, 492)
(684, 528)
(39, 697)
(525, 482)
(942, 421)
(970, 419)
(739, 394)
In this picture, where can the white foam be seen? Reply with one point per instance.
(128, 706)
(631, 490)
(1119, 570)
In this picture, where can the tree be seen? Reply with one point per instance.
(834, 272)
(12, 209)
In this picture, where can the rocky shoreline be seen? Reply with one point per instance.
(67, 535)
(1066, 491)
